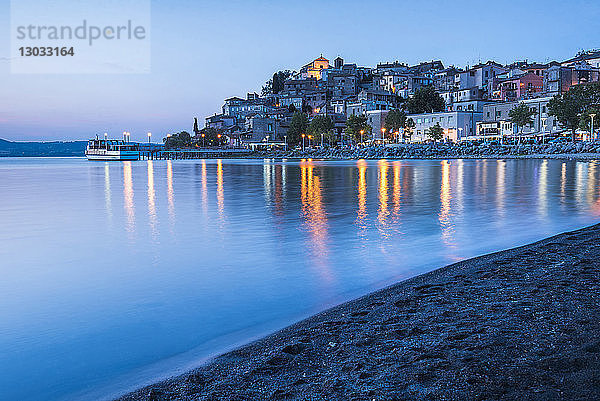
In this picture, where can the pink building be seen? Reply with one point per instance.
(519, 87)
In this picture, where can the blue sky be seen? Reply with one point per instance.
(205, 51)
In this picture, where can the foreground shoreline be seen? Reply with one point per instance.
(515, 324)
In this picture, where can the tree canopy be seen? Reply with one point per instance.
(585, 121)
(436, 132)
(212, 137)
(298, 126)
(425, 100)
(395, 120)
(355, 124)
(275, 84)
(571, 105)
(521, 115)
(179, 140)
(320, 125)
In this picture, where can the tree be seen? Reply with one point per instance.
(320, 125)
(585, 121)
(569, 106)
(306, 108)
(298, 126)
(409, 127)
(425, 100)
(521, 116)
(212, 137)
(436, 132)
(267, 88)
(395, 120)
(276, 83)
(355, 124)
(179, 140)
(331, 137)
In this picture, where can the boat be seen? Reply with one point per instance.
(111, 149)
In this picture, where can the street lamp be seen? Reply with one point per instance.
(383, 134)
(285, 141)
(309, 139)
(544, 129)
(362, 131)
(460, 130)
(105, 136)
(321, 139)
(203, 141)
(592, 128)
(149, 136)
(124, 136)
(303, 135)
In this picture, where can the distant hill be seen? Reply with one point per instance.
(47, 149)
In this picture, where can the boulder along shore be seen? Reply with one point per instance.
(520, 324)
(573, 151)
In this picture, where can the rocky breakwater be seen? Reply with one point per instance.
(579, 150)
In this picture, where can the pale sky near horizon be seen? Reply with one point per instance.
(205, 51)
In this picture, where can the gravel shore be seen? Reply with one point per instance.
(520, 324)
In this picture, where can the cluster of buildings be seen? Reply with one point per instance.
(478, 98)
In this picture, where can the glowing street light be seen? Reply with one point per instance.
(592, 115)
(149, 136)
(203, 140)
(362, 131)
(303, 142)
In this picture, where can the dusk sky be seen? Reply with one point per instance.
(205, 51)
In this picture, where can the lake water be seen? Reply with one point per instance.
(116, 274)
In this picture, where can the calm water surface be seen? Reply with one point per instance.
(116, 274)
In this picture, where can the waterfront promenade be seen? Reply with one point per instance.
(462, 150)
(520, 324)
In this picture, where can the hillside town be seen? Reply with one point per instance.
(340, 102)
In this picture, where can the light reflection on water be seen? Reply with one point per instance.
(115, 273)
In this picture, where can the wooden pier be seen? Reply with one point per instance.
(158, 154)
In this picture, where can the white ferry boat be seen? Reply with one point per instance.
(111, 149)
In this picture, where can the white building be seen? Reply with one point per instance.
(457, 125)
(496, 119)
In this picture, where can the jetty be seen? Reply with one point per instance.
(182, 154)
